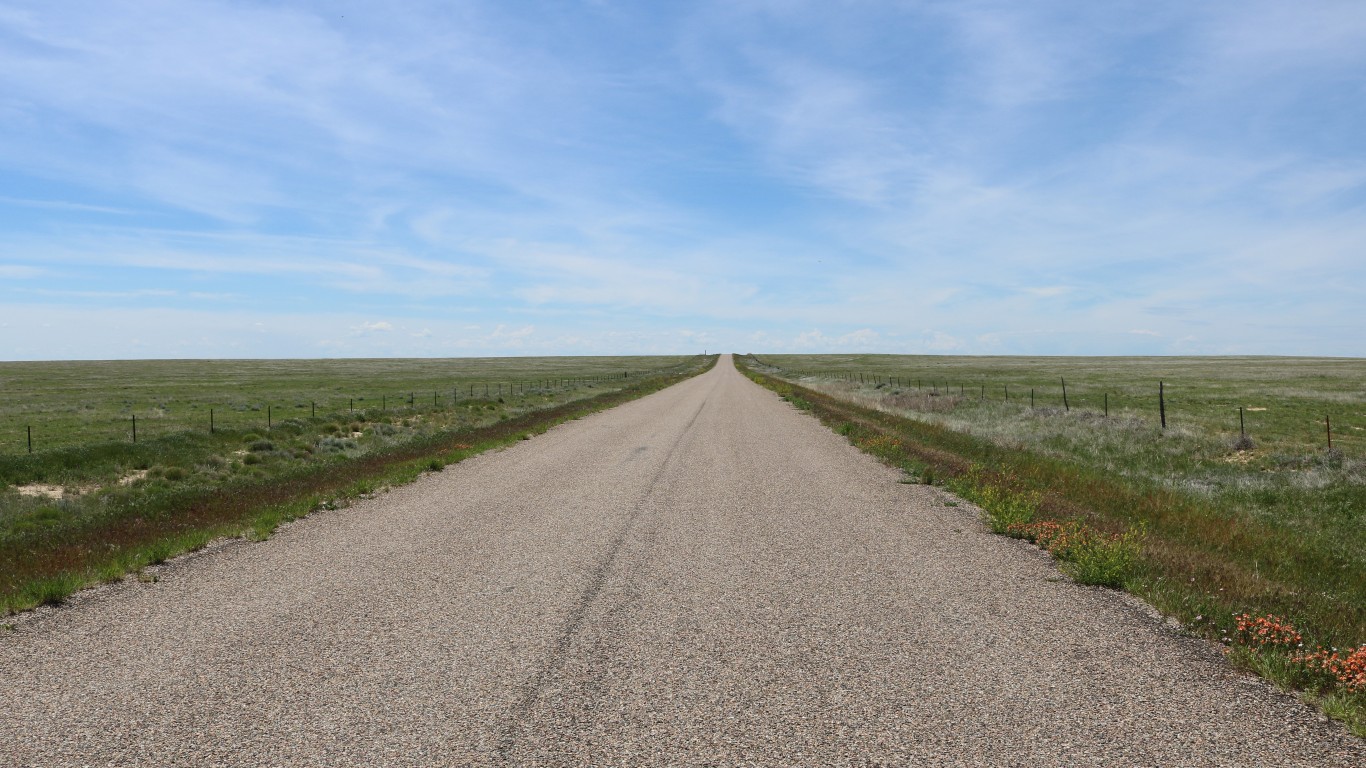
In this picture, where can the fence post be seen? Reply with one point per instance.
(1065, 406)
(1107, 405)
(269, 424)
(1031, 398)
(135, 428)
(312, 409)
(1328, 426)
(1242, 427)
(1162, 403)
(30, 439)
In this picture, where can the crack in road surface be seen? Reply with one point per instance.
(705, 576)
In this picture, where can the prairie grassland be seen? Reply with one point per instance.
(1275, 528)
(1285, 400)
(1287, 479)
(92, 511)
(72, 403)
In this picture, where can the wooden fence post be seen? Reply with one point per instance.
(1162, 403)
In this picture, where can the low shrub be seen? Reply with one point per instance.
(1001, 506)
(1087, 555)
(1100, 559)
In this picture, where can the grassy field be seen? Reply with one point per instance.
(96, 505)
(1285, 400)
(1285, 478)
(1271, 525)
(84, 402)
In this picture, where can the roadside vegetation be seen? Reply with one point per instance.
(89, 512)
(1214, 526)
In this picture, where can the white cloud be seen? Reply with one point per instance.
(884, 176)
(382, 326)
(20, 272)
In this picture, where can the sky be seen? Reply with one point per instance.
(203, 178)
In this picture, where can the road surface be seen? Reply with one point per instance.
(705, 576)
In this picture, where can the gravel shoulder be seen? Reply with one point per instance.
(704, 576)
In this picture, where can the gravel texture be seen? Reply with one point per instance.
(702, 577)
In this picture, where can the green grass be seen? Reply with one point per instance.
(1291, 396)
(84, 403)
(126, 506)
(1278, 530)
(81, 413)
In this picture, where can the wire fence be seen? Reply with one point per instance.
(154, 420)
(1335, 432)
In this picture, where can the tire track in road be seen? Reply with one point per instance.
(536, 688)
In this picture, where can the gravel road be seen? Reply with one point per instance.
(702, 577)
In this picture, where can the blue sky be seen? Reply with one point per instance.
(185, 178)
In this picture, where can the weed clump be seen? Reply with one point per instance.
(1002, 506)
(1104, 560)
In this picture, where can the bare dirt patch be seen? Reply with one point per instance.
(40, 489)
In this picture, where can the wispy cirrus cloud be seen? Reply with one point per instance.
(975, 176)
